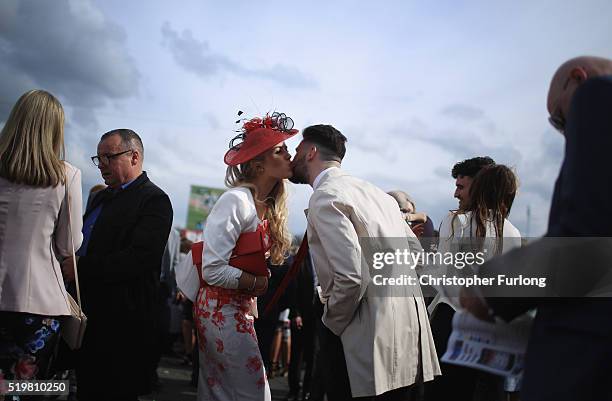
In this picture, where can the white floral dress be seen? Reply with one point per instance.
(231, 367)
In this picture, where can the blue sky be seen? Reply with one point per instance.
(415, 86)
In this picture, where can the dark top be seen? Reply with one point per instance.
(277, 274)
(302, 292)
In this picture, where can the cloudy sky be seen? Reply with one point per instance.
(415, 86)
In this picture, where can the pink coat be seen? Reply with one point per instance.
(33, 236)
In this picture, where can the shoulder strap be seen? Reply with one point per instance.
(74, 265)
(197, 250)
(290, 275)
(196, 253)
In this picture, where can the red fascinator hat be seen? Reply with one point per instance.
(257, 136)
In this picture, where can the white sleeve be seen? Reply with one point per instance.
(171, 252)
(512, 237)
(63, 232)
(444, 245)
(446, 233)
(229, 217)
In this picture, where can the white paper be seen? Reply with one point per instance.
(497, 348)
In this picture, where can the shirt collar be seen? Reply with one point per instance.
(322, 174)
(127, 184)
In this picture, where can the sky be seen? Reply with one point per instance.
(415, 86)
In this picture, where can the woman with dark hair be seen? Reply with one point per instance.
(483, 224)
(247, 225)
(40, 223)
(491, 196)
(486, 217)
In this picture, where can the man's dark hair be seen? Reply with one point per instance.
(471, 167)
(330, 142)
(129, 139)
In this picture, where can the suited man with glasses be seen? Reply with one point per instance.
(569, 355)
(126, 227)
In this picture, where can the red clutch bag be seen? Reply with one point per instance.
(248, 255)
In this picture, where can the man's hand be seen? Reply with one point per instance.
(418, 229)
(475, 305)
(68, 269)
(297, 321)
(180, 297)
(416, 216)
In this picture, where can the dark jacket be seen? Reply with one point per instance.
(278, 273)
(119, 276)
(302, 292)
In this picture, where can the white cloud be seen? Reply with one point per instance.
(197, 57)
(415, 87)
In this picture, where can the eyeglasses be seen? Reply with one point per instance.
(105, 159)
(558, 122)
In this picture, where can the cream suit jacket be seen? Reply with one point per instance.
(34, 235)
(383, 337)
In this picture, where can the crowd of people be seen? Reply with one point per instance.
(340, 337)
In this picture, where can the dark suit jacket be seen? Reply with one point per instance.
(580, 205)
(569, 345)
(277, 274)
(119, 278)
(302, 293)
(583, 194)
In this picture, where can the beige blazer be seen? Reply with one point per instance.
(33, 235)
(380, 334)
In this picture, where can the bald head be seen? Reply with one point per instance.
(568, 77)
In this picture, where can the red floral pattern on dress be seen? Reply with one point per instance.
(213, 381)
(219, 343)
(201, 316)
(254, 364)
(201, 341)
(243, 325)
(222, 319)
(217, 318)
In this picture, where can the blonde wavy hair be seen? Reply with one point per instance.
(276, 210)
(32, 141)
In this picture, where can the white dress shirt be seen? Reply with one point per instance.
(459, 225)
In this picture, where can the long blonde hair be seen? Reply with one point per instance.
(32, 141)
(276, 210)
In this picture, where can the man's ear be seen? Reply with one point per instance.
(135, 157)
(579, 74)
(312, 152)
